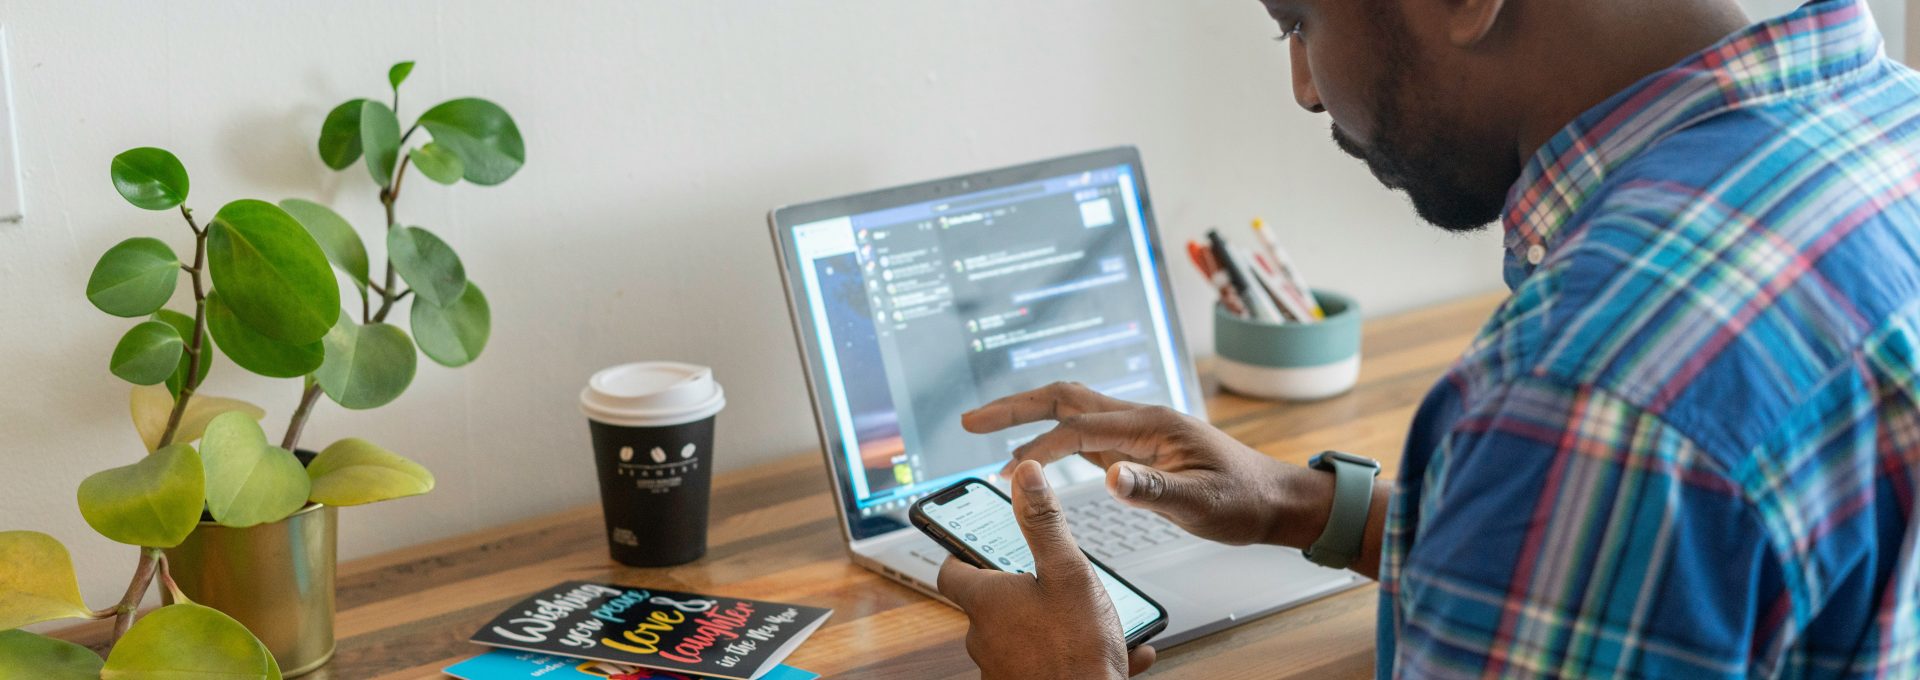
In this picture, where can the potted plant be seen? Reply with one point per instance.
(239, 531)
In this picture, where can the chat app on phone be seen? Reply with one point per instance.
(985, 521)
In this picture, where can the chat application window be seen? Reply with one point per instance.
(984, 520)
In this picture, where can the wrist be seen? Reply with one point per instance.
(1302, 502)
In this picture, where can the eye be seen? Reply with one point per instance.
(1295, 30)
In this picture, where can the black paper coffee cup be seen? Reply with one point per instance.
(652, 427)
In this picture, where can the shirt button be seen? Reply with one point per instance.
(1536, 253)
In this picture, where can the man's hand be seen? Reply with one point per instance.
(1162, 460)
(1054, 623)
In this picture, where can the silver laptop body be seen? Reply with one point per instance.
(865, 277)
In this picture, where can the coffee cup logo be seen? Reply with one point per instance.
(657, 455)
(626, 454)
(687, 451)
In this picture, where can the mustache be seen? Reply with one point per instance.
(1379, 164)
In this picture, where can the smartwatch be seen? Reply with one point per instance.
(1339, 544)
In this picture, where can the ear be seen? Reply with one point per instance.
(1472, 20)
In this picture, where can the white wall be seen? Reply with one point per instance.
(658, 135)
(1890, 14)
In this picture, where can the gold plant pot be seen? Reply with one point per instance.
(276, 579)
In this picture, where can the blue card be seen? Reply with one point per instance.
(507, 664)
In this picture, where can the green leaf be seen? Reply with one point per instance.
(25, 655)
(183, 324)
(481, 134)
(248, 480)
(187, 641)
(453, 335)
(254, 351)
(340, 135)
(153, 503)
(437, 163)
(134, 278)
(271, 272)
(150, 178)
(335, 235)
(366, 366)
(398, 74)
(380, 136)
(37, 583)
(152, 406)
(148, 353)
(427, 263)
(356, 472)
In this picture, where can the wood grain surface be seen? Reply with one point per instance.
(407, 614)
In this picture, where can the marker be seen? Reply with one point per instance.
(1278, 288)
(1291, 300)
(1285, 264)
(1203, 261)
(1262, 307)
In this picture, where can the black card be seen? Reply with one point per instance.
(723, 637)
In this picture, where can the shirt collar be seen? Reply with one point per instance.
(1809, 48)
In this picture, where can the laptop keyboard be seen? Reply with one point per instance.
(1105, 528)
(1111, 531)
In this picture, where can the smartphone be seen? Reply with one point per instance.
(975, 522)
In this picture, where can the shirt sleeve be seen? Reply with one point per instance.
(1564, 532)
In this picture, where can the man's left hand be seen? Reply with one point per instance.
(1054, 623)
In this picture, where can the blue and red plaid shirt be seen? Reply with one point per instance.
(1688, 444)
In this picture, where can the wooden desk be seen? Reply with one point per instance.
(774, 536)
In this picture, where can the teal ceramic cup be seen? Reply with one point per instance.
(1290, 361)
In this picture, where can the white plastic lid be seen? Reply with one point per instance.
(652, 394)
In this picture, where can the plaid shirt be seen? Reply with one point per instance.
(1688, 444)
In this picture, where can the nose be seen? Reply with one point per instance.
(1304, 91)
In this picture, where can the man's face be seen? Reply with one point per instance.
(1359, 62)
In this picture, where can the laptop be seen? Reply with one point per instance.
(914, 304)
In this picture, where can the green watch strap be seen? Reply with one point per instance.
(1339, 544)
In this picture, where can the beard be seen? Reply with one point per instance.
(1431, 176)
(1433, 163)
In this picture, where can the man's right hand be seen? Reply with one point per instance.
(1162, 460)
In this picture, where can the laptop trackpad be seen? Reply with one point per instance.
(1234, 580)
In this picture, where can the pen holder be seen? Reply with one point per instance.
(1290, 361)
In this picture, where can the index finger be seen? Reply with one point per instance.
(1053, 402)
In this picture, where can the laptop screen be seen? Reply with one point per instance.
(913, 313)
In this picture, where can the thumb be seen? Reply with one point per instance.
(1154, 489)
(1055, 555)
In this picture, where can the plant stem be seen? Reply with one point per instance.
(308, 398)
(191, 381)
(388, 197)
(166, 578)
(136, 591)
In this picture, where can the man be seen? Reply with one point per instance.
(1686, 446)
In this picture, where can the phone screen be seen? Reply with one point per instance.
(983, 519)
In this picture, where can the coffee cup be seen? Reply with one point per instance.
(652, 427)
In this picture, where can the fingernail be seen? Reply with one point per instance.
(1124, 485)
(1031, 478)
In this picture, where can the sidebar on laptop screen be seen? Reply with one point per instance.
(922, 312)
